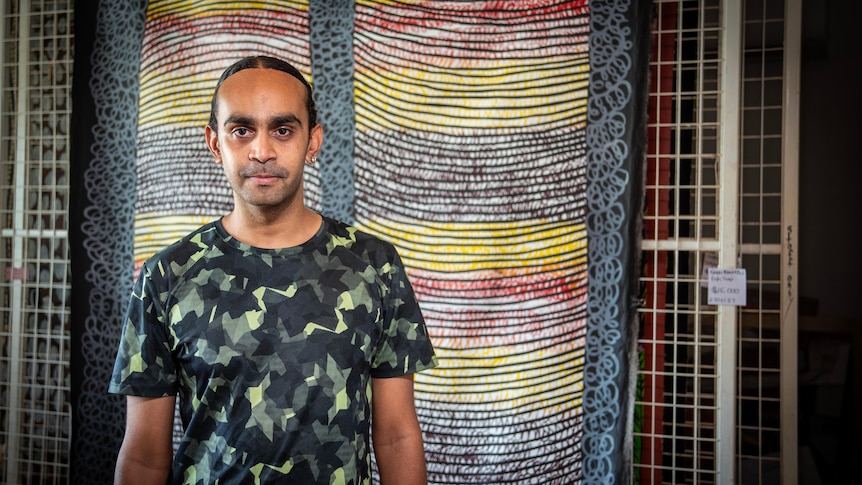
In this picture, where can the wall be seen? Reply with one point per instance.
(830, 259)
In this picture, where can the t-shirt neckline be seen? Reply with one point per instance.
(288, 251)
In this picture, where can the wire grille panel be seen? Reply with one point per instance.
(34, 294)
(758, 412)
(677, 439)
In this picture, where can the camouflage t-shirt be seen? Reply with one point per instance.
(271, 351)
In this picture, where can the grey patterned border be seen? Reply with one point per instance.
(107, 232)
(331, 39)
(613, 190)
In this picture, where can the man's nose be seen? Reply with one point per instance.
(262, 149)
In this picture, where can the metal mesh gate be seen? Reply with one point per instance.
(714, 406)
(34, 295)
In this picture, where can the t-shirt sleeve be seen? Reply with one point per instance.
(404, 347)
(144, 365)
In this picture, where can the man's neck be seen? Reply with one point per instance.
(270, 229)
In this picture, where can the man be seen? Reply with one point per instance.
(288, 336)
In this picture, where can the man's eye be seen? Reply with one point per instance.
(283, 131)
(241, 131)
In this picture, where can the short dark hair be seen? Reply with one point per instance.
(264, 62)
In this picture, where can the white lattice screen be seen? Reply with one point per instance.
(717, 407)
(36, 81)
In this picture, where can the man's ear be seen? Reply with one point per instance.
(212, 143)
(315, 141)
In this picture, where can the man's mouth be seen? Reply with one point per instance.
(264, 178)
(264, 175)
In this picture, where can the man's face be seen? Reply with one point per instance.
(262, 138)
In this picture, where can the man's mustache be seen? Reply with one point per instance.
(263, 169)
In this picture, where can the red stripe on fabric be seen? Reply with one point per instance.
(404, 17)
(468, 28)
(168, 30)
(513, 287)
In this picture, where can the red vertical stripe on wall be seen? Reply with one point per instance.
(657, 208)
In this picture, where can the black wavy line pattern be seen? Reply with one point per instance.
(470, 157)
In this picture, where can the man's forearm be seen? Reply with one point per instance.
(401, 462)
(133, 472)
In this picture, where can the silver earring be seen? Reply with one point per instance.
(313, 160)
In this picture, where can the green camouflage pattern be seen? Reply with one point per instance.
(271, 351)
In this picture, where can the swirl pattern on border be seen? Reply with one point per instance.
(114, 87)
(607, 151)
(331, 40)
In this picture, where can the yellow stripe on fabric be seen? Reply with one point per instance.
(507, 76)
(187, 105)
(487, 370)
(386, 102)
(476, 246)
(155, 231)
(520, 384)
(188, 8)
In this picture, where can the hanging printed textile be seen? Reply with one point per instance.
(470, 156)
(458, 132)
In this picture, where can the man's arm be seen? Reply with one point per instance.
(395, 431)
(146, 454)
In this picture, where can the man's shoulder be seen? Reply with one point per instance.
(188, 249)
(357, 240)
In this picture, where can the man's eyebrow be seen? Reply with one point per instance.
(238, 120)
(278, 120)
(288, 119)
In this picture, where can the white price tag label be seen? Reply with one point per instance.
(726, 286)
